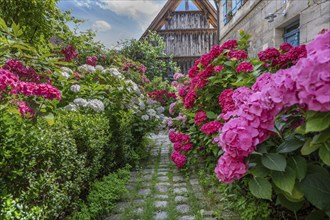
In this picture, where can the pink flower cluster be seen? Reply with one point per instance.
(200, 117)
(91, 60)
(202, 70)
(27, 88)
(284, 58)
(25, 110)
(142, 68)
(226, 101)
(70, 53)
(179, 159)
(163, 97)
(307, 83)
(244, 67)
(181, 142)
(211, 128)
(22, 72)
(177, 76)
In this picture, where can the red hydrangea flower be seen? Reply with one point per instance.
(91, 60)
(238, 54)
(177, 146)
(190, 99)
(25, 110)
(70, 53)
(211, 127)
(187, 147)
(229, 45)
(244, 67)
(7, 79)
(179, 159)
(200, 117)
(285, 47)
(226, 101)
(218, 68)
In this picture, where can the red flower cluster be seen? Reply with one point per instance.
(25, 110)
(163, 97)
(27, 88)
(142, 68)
(226, 101)
(289, 55)
(70, 53)
(181, 142)
(200, 117)
(91, 60)
(244, 67)
(211, 127)
(24, 73)
(199, 79)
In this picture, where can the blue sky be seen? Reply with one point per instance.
(114, 20)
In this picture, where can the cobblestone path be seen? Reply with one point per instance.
(160, 191)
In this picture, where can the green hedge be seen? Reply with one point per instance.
(46, 169)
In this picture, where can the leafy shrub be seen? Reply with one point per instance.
(103, 195)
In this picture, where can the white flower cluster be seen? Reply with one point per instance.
(75, 88)
(113, 72)
(94, 104)
(133, 86)
(99, 68)
(66, 72)
(85, 69)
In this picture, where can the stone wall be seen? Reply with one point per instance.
(313, 15)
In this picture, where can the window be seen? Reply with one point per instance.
(291, 34)
(236, 4)
(224, 11)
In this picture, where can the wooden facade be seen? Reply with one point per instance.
(188, 34)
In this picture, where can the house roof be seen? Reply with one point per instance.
(171, 6)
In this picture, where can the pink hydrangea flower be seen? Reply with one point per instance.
(244, 67)
(190, 99)
(7, 79)
(70, 53)
(229, 169)
(200, 117)
(218, 68)
(187, 147)
(179, 159)
(177, 146)
(177, 76)
(25, 110)
(211, 127)
(238, 54)
(226, 101)
(91, 60)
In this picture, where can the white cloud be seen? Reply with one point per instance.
(143, 11)
(101, 25)
(83, 3)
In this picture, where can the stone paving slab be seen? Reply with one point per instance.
(159, 191)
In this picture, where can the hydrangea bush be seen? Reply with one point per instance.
(266, 118)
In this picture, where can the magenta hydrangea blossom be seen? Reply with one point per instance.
(244, 67)
(229, 169)
(200, 117)
(211, 127)
(179, 159)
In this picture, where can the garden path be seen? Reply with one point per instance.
(159, 191)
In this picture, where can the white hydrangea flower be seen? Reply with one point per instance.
(67, 70)
(99, 67)
(71, 107)
(86, 69)
(96, 105)
(75, 88)
(142, 105)
(134, 86)
(115, 72)
(145, 117)
(151, 112)
(65, 75)
(160, 109)
(80, 102)
(150, 102)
